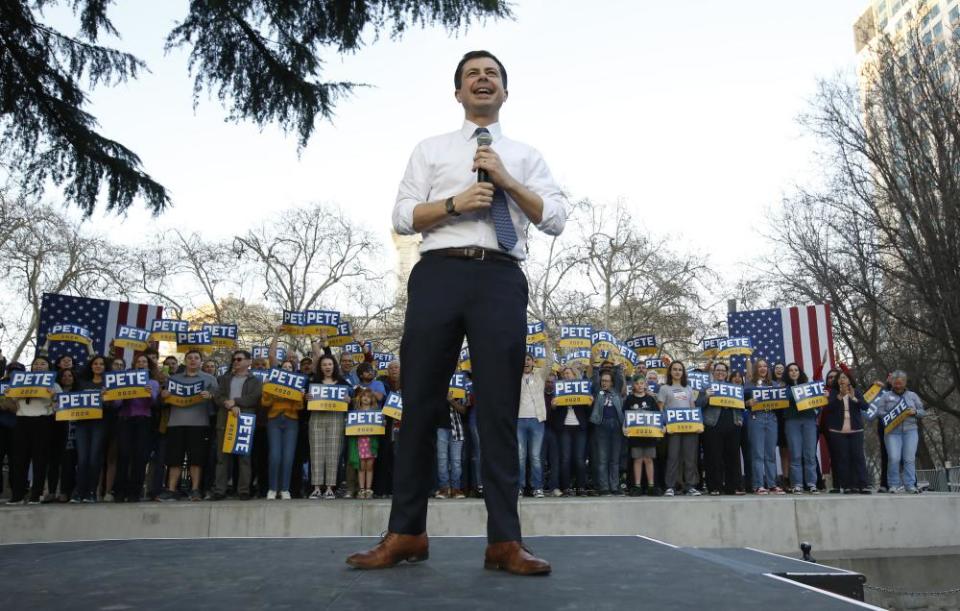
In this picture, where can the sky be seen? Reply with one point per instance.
(686, 111)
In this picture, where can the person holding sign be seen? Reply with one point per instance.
(236, 392)
(801, 429)
(682, 448)
(843, 419)
(721, 438)
(283, 421)
(189, 393)
(573, 440)
(135, 437)
(530, 418)
(643, 450)
(91, 436)
(31, 437)
(763, 428)
(607, 419)
(362, 450)
(473, 194)
(899, 410)
(326, 430)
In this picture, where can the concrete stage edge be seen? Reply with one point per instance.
(595, 572)
(831, 523)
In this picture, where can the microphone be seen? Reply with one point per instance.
(483, 139)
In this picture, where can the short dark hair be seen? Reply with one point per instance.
(458, 75)
(193, 351)
(245, 354)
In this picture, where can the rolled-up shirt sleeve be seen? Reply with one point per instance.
(414, 189)
(540, 181)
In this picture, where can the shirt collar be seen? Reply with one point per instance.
(469, 127)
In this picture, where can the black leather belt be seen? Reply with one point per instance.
(474, 253)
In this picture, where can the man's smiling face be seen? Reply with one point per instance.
(481, 89)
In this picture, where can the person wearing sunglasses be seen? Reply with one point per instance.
(238, 391)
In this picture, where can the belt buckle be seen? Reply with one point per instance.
(477, 254)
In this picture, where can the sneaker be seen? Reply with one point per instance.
(556, 492)
(458, 494)
(911, 490)
(164, 497)
(894, 490)
(836, 491)
(636, 491)
(442, 493)
(693, 492)
(882, 490)
(218, 496)
(195, 495)
(762, 491)
(34, 500)
(778, 490)
(569, 492)
(796, 490)
(582, 492)
(655, 491)
(538, 493)
(285, 495)
(316, 494)
(18, 502)
(520, 494)
(866, 491)
(330, 494)
(813, 490)
(108, 497)
(738, 493)
(244, 496)
(669, 492)
(714, 493)
(347, 495)
(90, 499)
(271, 495)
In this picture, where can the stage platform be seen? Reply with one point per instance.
(588, 572)
(831, 523)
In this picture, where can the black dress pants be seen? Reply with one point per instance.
(721, 448)
(447, 299)
(849, 463)
(30, 446)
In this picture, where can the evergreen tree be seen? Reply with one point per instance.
(260, 57)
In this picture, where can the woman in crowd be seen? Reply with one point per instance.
(91, 437)
(843, 421)
(681, 447)
(283, 420)
(326, 431)
(531, 415)
(721, 440)
(643, 450)
(135, 438)
(778, 377)
(573, 442)
(31, 439)
(901, 442)
(801, 429)
(59, 432)
(763, 431)
(363, 449)
(607, 420)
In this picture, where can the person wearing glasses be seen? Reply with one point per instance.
(237, 391)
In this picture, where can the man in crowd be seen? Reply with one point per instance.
(238, 391)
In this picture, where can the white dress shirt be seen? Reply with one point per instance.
(440, 167)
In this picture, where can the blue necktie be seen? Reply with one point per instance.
(500, 213)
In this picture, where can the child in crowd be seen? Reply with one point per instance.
(643, 450)
(363, 449)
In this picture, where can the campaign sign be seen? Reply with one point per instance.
(285, 384)
(134, 338)
(604, 341)
(684, 419)
(726, 395)
(261, 374)
(464, 363)
(223, 336)
(642, 423)
(699, 380)
(70, 333)
(166, 329)
(195, 340)
(769, 397)
(572, 392)
(316, 322)
(643, 345)
(580, 357)
(628, 358)
(129, 384)
(184, 395)
(364, 422)
(31, 384)
(896, 416)
(292, 322)
(808, 396)
(393, 407)
(734, 346)
(328, 398)
(83, 405)
(355, 350)
(3, 388)
(536, 332)
(458, 386)
(238, 435)
(656, 365)
(263, 352)
(710, 345)
(539, 354)
(872, 393)
(575, 336)
(343, 337)
(222, 370)
(652, 387)
(381, 366)
(384, 357)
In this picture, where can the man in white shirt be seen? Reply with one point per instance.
(473, 203)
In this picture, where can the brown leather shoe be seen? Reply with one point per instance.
(514, 558)
(392, 549)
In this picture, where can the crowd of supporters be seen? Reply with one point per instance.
(144, 449)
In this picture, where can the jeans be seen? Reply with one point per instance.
(530, 440)
(91, 435)
(551, 454)
(475, 443)
(282, 435)
(573, 456)
(608, 436)
(763, 448)
(802, 440)
(449, 460)
(902, 446)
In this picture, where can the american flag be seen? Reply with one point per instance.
(800, 334)
(100, 316)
